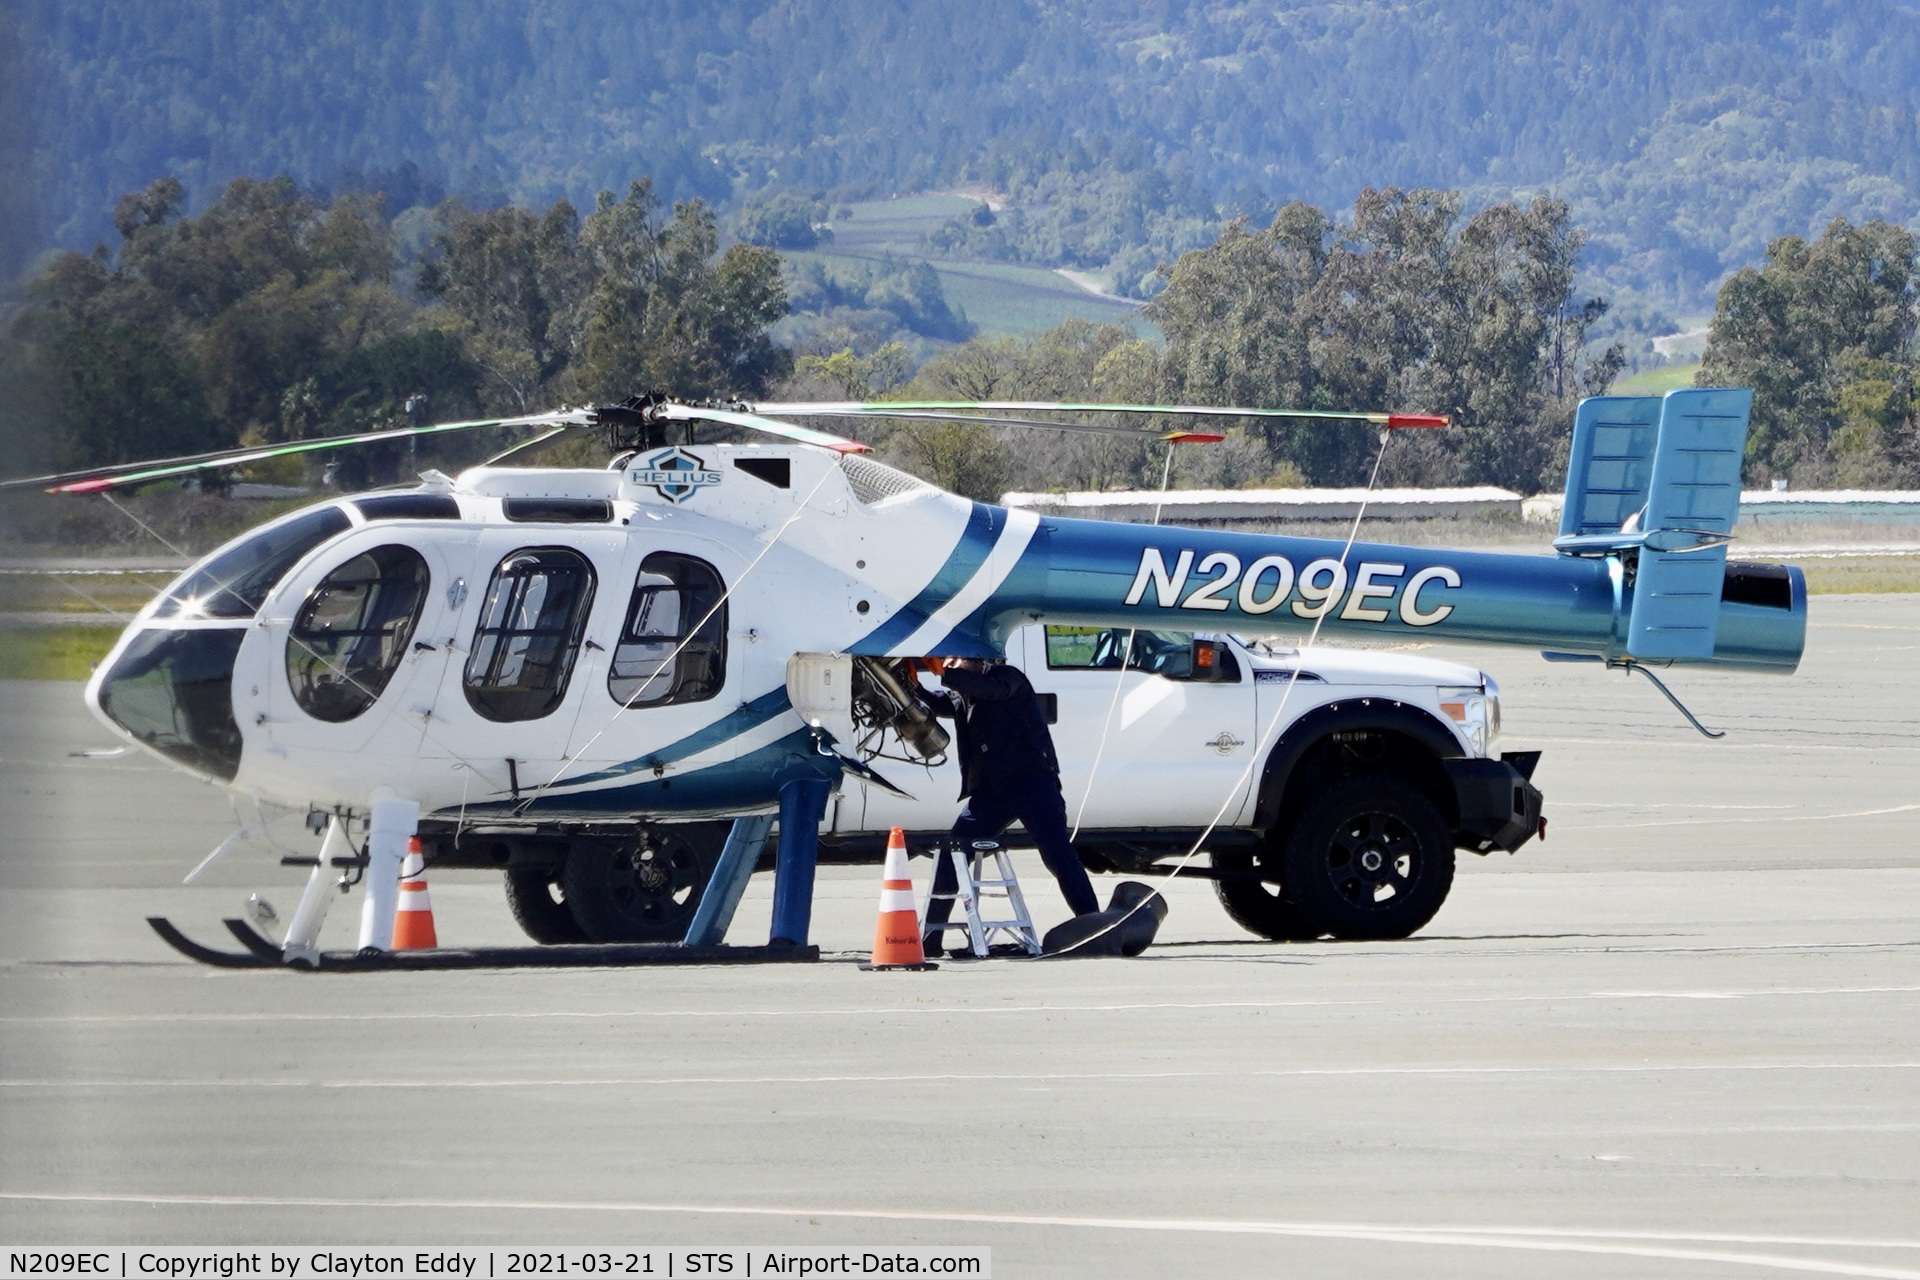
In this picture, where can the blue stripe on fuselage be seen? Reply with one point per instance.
(985, 524)
(723, 789)
(748, 715)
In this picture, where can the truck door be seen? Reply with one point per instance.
(1145, 740)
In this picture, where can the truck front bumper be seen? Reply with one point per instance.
(1498, 804)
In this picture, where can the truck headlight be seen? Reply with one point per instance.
(1476, 710)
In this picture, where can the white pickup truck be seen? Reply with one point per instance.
(1332, 785)
(1327, 789)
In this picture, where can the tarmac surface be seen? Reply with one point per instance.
(1680, 1038)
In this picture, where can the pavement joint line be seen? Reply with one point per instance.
(946, 1010)
(1534, 1239)
(955, 1077)
(1906, 743)
(1710, 822)
(1236, 953)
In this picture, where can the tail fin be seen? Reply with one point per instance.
(1693, 497)
(1660, 476)
(1611, 463)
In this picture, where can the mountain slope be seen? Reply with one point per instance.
(1686, 134)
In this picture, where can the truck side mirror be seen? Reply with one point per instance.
(1209, 660)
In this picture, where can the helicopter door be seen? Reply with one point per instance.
(662, 688)
(1176, 739)
(510, 690)
(351, 651)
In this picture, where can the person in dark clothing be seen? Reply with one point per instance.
(1008, 772)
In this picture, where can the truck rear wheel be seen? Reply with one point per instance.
(1259, 906)
(1372, 858)
(539, 904)
(643, 888)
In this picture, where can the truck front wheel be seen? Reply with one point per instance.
(1371, 858)
(1256, 905)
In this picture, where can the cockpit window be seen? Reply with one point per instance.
(673, 647)
(530, 628)
(235, 583)
(353, 630)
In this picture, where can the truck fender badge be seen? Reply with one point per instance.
(1225, 744)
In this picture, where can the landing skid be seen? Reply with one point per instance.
(262, 953)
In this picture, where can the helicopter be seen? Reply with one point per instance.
(639, 664)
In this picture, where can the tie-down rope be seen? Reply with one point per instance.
(1260, 743)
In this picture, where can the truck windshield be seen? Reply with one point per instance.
(234, 583)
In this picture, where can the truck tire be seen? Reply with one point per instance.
(642, 888)
(539, 905)
(1370, 859)
(1260, 907)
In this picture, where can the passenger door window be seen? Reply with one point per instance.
(673, 644)
(529, 634)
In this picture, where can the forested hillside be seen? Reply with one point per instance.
(1684, 134)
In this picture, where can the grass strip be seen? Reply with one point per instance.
(54, 653)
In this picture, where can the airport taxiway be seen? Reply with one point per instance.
(1681, 1038)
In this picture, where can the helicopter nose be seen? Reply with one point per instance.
(171, 689)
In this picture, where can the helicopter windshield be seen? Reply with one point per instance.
(172, 690)
(234, 583)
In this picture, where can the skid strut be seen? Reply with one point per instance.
(262, 953)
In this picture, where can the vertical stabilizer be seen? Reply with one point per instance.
(1694, 490)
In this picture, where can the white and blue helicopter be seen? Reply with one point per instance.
(628, 672)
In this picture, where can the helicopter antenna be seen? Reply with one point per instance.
(1619, 664)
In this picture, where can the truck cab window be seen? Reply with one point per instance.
(530, 628)
(1161, 653)
(353, 630)
(673, 646)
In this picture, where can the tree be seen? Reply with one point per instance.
(783, 220)
(513, 282)
(1404, 308)
(661, 315)
(1824, 334)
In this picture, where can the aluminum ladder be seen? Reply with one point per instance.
(972, 886)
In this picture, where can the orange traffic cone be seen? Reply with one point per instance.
(413, 917)
(896, 939)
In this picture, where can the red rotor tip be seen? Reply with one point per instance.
(1192, 437)
(83, 486)
(1395, 421)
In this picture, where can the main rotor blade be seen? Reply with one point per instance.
(937, 415)
(572, 428)
(881, 408)
(94, 479)
(754, 422)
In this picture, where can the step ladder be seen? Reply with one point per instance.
(972, 886)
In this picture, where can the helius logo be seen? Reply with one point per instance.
(675, 474)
